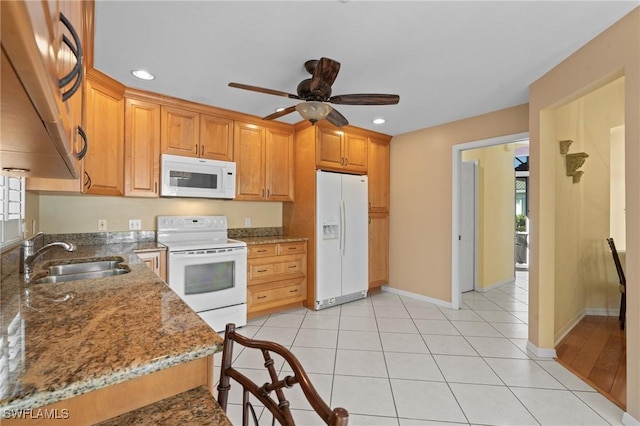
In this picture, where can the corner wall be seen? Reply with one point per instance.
(421, 198)
(612, 54)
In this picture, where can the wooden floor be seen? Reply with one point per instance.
(596, 350)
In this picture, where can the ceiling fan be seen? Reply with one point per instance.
(316, 92)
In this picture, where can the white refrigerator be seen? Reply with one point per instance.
(342, 238)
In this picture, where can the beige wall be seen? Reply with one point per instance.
(421, 179)
(585, 276)
(496, 205)
(614, 53)
(80, 213)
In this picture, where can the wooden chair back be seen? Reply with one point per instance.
(623, 282)
(279, 406)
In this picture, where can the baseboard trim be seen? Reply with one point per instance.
(568, 327)
(511, 280)
(602, 312)
(404, 293)
(628, 420)
(541, 352)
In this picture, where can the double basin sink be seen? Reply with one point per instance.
(83, 269)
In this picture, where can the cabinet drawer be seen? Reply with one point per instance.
(259, 271)
(290, 291)
(291, 248)
(261, 250)
(294, 266)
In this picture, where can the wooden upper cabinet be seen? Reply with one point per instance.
(279, 165)
(340, 151)
(216, 137)
(378, 172)
(180, 132)
(103, 164)
(249, 143)
(329, 148)
(264, 162)
(142, 148)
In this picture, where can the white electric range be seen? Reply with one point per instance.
(206, 268)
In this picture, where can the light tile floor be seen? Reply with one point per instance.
(394, 360)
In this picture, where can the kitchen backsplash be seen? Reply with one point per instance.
(120, 237)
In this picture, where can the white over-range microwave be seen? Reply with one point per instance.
(197, 177)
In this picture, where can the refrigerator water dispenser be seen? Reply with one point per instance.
(330, 232)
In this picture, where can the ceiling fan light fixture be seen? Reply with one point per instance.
(143, 75)
(379, 120)
(313, 110)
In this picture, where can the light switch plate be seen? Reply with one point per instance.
(135, 224)
(102, 224)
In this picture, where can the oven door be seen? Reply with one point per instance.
(209, 279)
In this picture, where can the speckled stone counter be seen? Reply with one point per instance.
(273, 239)
(194, 407)
(70, 338)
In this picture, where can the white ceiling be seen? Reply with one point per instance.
(446, 59)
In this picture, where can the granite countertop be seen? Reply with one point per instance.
(108, 331)
(272, 239)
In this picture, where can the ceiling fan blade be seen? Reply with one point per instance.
(336, 118)
(278, 114)
(263, 90)
(324, 74)
(365, 99)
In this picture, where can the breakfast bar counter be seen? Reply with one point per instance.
(91, 349)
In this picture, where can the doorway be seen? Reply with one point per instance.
(458, 256)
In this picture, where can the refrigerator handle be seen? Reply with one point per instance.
(343, 228)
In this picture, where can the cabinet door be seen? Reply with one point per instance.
(142, 148)
(378, 249)
(329, 149)
(355, 153)
(156, 261)
(378, 172)
(104, 162)
(179, 132)
(249, 153)
(279, 165)
(216, 138)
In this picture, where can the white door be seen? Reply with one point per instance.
(328, 235)
(468, 212)
(355, 242)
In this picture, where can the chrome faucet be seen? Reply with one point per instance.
(28, 256)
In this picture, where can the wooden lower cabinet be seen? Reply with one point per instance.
(105, 403)
(156, 261)
(378, 249)
(276, 277)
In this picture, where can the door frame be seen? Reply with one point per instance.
(456, 160)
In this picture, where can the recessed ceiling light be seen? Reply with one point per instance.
(143, 75)
(379, 121)
(280, 109)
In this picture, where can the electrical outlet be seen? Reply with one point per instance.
(247, 222)
(102, 224)
(135, 224)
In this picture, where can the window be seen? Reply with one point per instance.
(11, 209)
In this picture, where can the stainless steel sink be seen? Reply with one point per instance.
(82, 276)
(83, 269)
